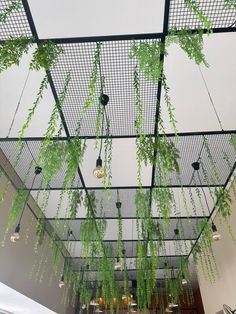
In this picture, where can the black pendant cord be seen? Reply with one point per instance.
(211, 100)
(26, 200)
(101, 142)
(204, 194)
(18, 104)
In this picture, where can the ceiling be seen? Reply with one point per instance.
(13, 302)
(116, 24)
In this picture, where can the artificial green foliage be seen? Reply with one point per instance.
(191, 43)
(168, 154)
(40, 232)
(42, 88)
(12, 50)
(163, 199)
(52, 160)
(53, 121)
(17, 206)
(14, 6)
(107, 161)
(233, 141)
(149, 58)
(194, 7)
(223, 202)
(76, 199)
(230, 4)
(56, 251)
(140, 153)
(74, 153)
(89, 102)
(169, 105)
(45, 56)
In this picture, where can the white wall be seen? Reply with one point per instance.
(17, 259)
(223, 291)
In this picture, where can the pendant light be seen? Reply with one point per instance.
(16, 235)
(184, 281)
(99, 171)
(61, 282)
(216, 236)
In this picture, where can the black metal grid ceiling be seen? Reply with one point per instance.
(117, 68)
(189, 229)
(219, 15)
(130, 262)
(189, 147)
(28, 159)
(16, 24)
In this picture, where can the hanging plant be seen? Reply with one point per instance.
(107, 163)
(194, 7)
(42, 88)
(17, 207)
(89, 102)
(163, 199)
(12, 50)
(52, 124)
(76, 199)
(230, 4)
(223, 202)
(14, 6)
(190, 43)
(148, 57)
(233, 141)
(40, 233)
(45, 56)
(120, 233)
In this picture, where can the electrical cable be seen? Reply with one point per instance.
(211, 100)
(18, 104)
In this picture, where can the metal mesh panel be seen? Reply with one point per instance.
(16, 25)
(190, 147)
(117, 69)
(220, 16)
(28, 160)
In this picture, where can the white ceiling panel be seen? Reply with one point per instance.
(193, 109)
(11, 86)
(124, 164)
(72, 18)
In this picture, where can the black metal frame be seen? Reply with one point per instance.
(162, 36)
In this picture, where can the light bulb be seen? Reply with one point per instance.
(216, 236)
(168, 310)
(61, 282)
(184, 281)
(98, 172)
(16, 235)
(133, 302)
(93, 302)
(118, 265)
(173, 304)
(83, 307)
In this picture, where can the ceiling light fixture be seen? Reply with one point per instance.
(99, 171)
(216, 236)
(169, 310)
(61, 282)
(16, 235)
(184, 281)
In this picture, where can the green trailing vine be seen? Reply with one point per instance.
(194, 7)
(230, 4)
(190, 43)
(233, 141)
(42, 88)
(223, 202)
(45, 56)
(148, 56)
(12, 50)
(76, 199)
(107, 160)
(89, 102)
(14, 6)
